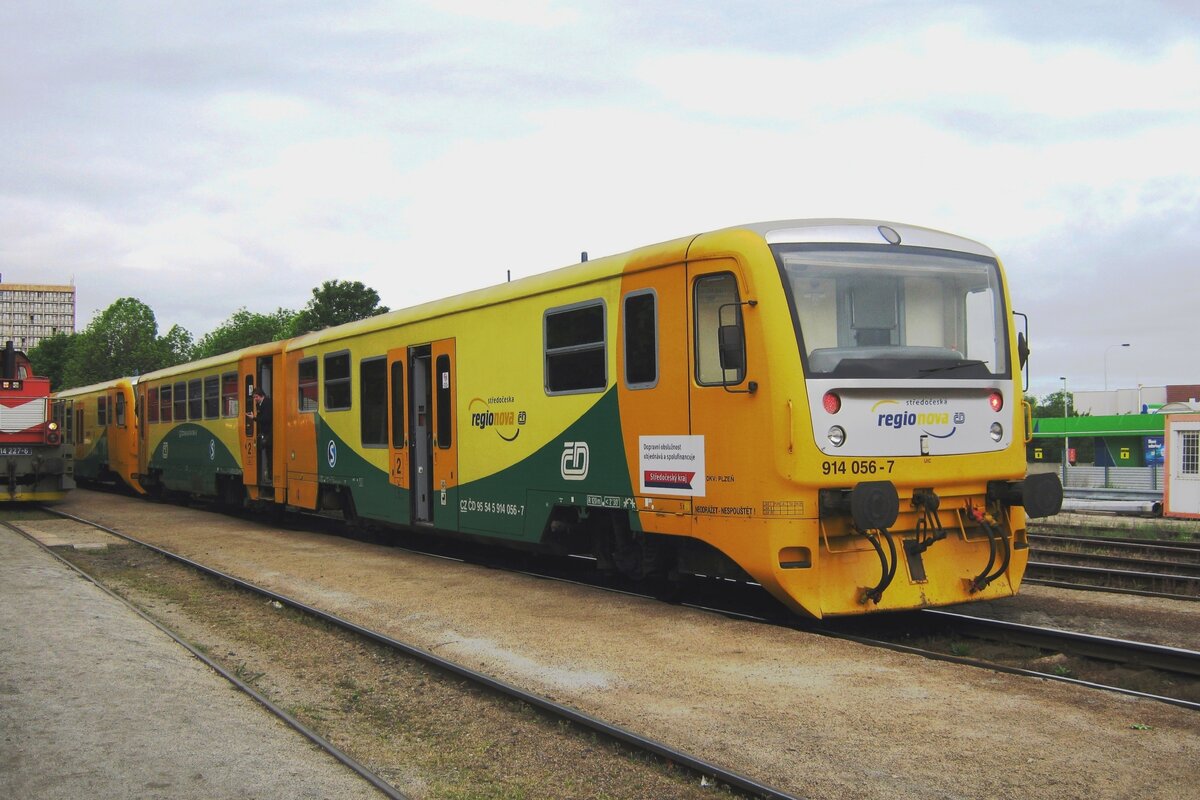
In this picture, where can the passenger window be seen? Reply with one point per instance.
(716, 304)
(575, 350)
(641, 340)
(229, 395)
(212, 397)
(337, 381)
(306, 384)
(372, 376)
(445, 417)
(165, 404)
(397, 404)
(102, 410)
(152, 405)
(181, 401)
(195, 399)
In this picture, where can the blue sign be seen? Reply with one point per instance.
(1154, 451)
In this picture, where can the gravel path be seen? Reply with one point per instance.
(819, 717)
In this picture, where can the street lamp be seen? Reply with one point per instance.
(1066, 438)
(1106, 351)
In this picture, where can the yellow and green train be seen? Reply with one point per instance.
(830, 408)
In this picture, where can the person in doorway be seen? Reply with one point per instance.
(260, 412)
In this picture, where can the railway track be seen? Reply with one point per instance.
(1135, 566)
(561, 711)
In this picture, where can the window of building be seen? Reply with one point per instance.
(152, 405)
(212, 397)
(641, 339)
(1189, 453)
(716, 304)
(195, 399)
(164, 403)
(229, 395)
(181, 401)
(575, 358)
(306, 384)
(337, 381)
(372, 385)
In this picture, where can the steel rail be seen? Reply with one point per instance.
(1122, 651)
(1072, 558)
(320, 741)
(1166, 545)
(1109, 574)
(610, 730)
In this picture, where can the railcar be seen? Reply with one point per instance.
(105, 445)
(830, 408)
(34, 455)
(195, 433)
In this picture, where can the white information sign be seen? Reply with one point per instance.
(671, 465)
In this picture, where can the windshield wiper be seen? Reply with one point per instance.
(959, 365)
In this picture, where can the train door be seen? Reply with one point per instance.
(653, 380)
(259, 459)
(433, 441)
(420, 403)
(721, 413)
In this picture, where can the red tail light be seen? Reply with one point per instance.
(996, 401)
(832, 403)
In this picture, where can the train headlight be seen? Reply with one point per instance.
(837, 436)
(997, 431)
(996, 401)
(53, 426)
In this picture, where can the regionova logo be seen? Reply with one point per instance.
(506, 423)
(900, 418)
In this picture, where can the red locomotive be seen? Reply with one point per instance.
(35, 463)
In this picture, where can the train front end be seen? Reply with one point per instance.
(915, 411)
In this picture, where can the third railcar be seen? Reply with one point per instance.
(831, 408)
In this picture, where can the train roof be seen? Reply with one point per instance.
(833, 230)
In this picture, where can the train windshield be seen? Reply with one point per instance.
(889, 312)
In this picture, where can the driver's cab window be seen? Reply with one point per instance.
(716, 303)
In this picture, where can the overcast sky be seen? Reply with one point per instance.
(210, 155)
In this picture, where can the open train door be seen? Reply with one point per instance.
(262, 463)
(432, 439)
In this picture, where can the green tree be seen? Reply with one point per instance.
(50, 356)
(336, 303)
(244, 329)
(122, 340)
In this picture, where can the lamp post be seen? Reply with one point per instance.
(1106, 352)
(1066, 438)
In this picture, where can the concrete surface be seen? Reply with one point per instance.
(95, 702)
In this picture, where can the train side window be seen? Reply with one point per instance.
(444, 410)
(102, 410)
(212, 397)
(195, 399)
(372, 378)
(229, 395)
(119, 410)
(306, 384)
(152, 405)
(716, 303)
(165, 405)
(641, 339)
(79, 426)
(337, 381)
(575, 352)
(397, 404)
(181, 401)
